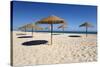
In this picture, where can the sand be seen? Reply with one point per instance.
(64, 49)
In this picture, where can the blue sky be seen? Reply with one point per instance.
(74, 15)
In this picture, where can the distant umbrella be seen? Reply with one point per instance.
(63, 26)
(86, 25)
(22, 28)
(51, 20)
(32, 27)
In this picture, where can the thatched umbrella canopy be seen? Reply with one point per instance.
(51, 20)
(22, 28)
(86, 25)
(32, 27)
(63, 26)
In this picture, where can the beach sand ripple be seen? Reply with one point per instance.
(63, 50)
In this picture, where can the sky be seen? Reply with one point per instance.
(74, 15)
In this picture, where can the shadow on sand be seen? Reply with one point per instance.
(20, 34)
(55, 34)
(74, 36)
(25, 37)
(35, 42)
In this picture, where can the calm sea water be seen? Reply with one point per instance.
(77, 32)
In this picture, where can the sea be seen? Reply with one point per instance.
(72, 32)
(77, 32)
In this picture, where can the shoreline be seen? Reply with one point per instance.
(59, 32)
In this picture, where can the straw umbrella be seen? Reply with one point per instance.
(63, 26)
(51, 20)
(32, 27)
(86, 25)
(22, 28)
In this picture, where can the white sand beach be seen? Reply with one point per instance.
(64, 49)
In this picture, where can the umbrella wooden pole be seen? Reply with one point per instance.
(63, 30)
(51, 32)
(86, 31)
(32, 31)
(25, 30)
